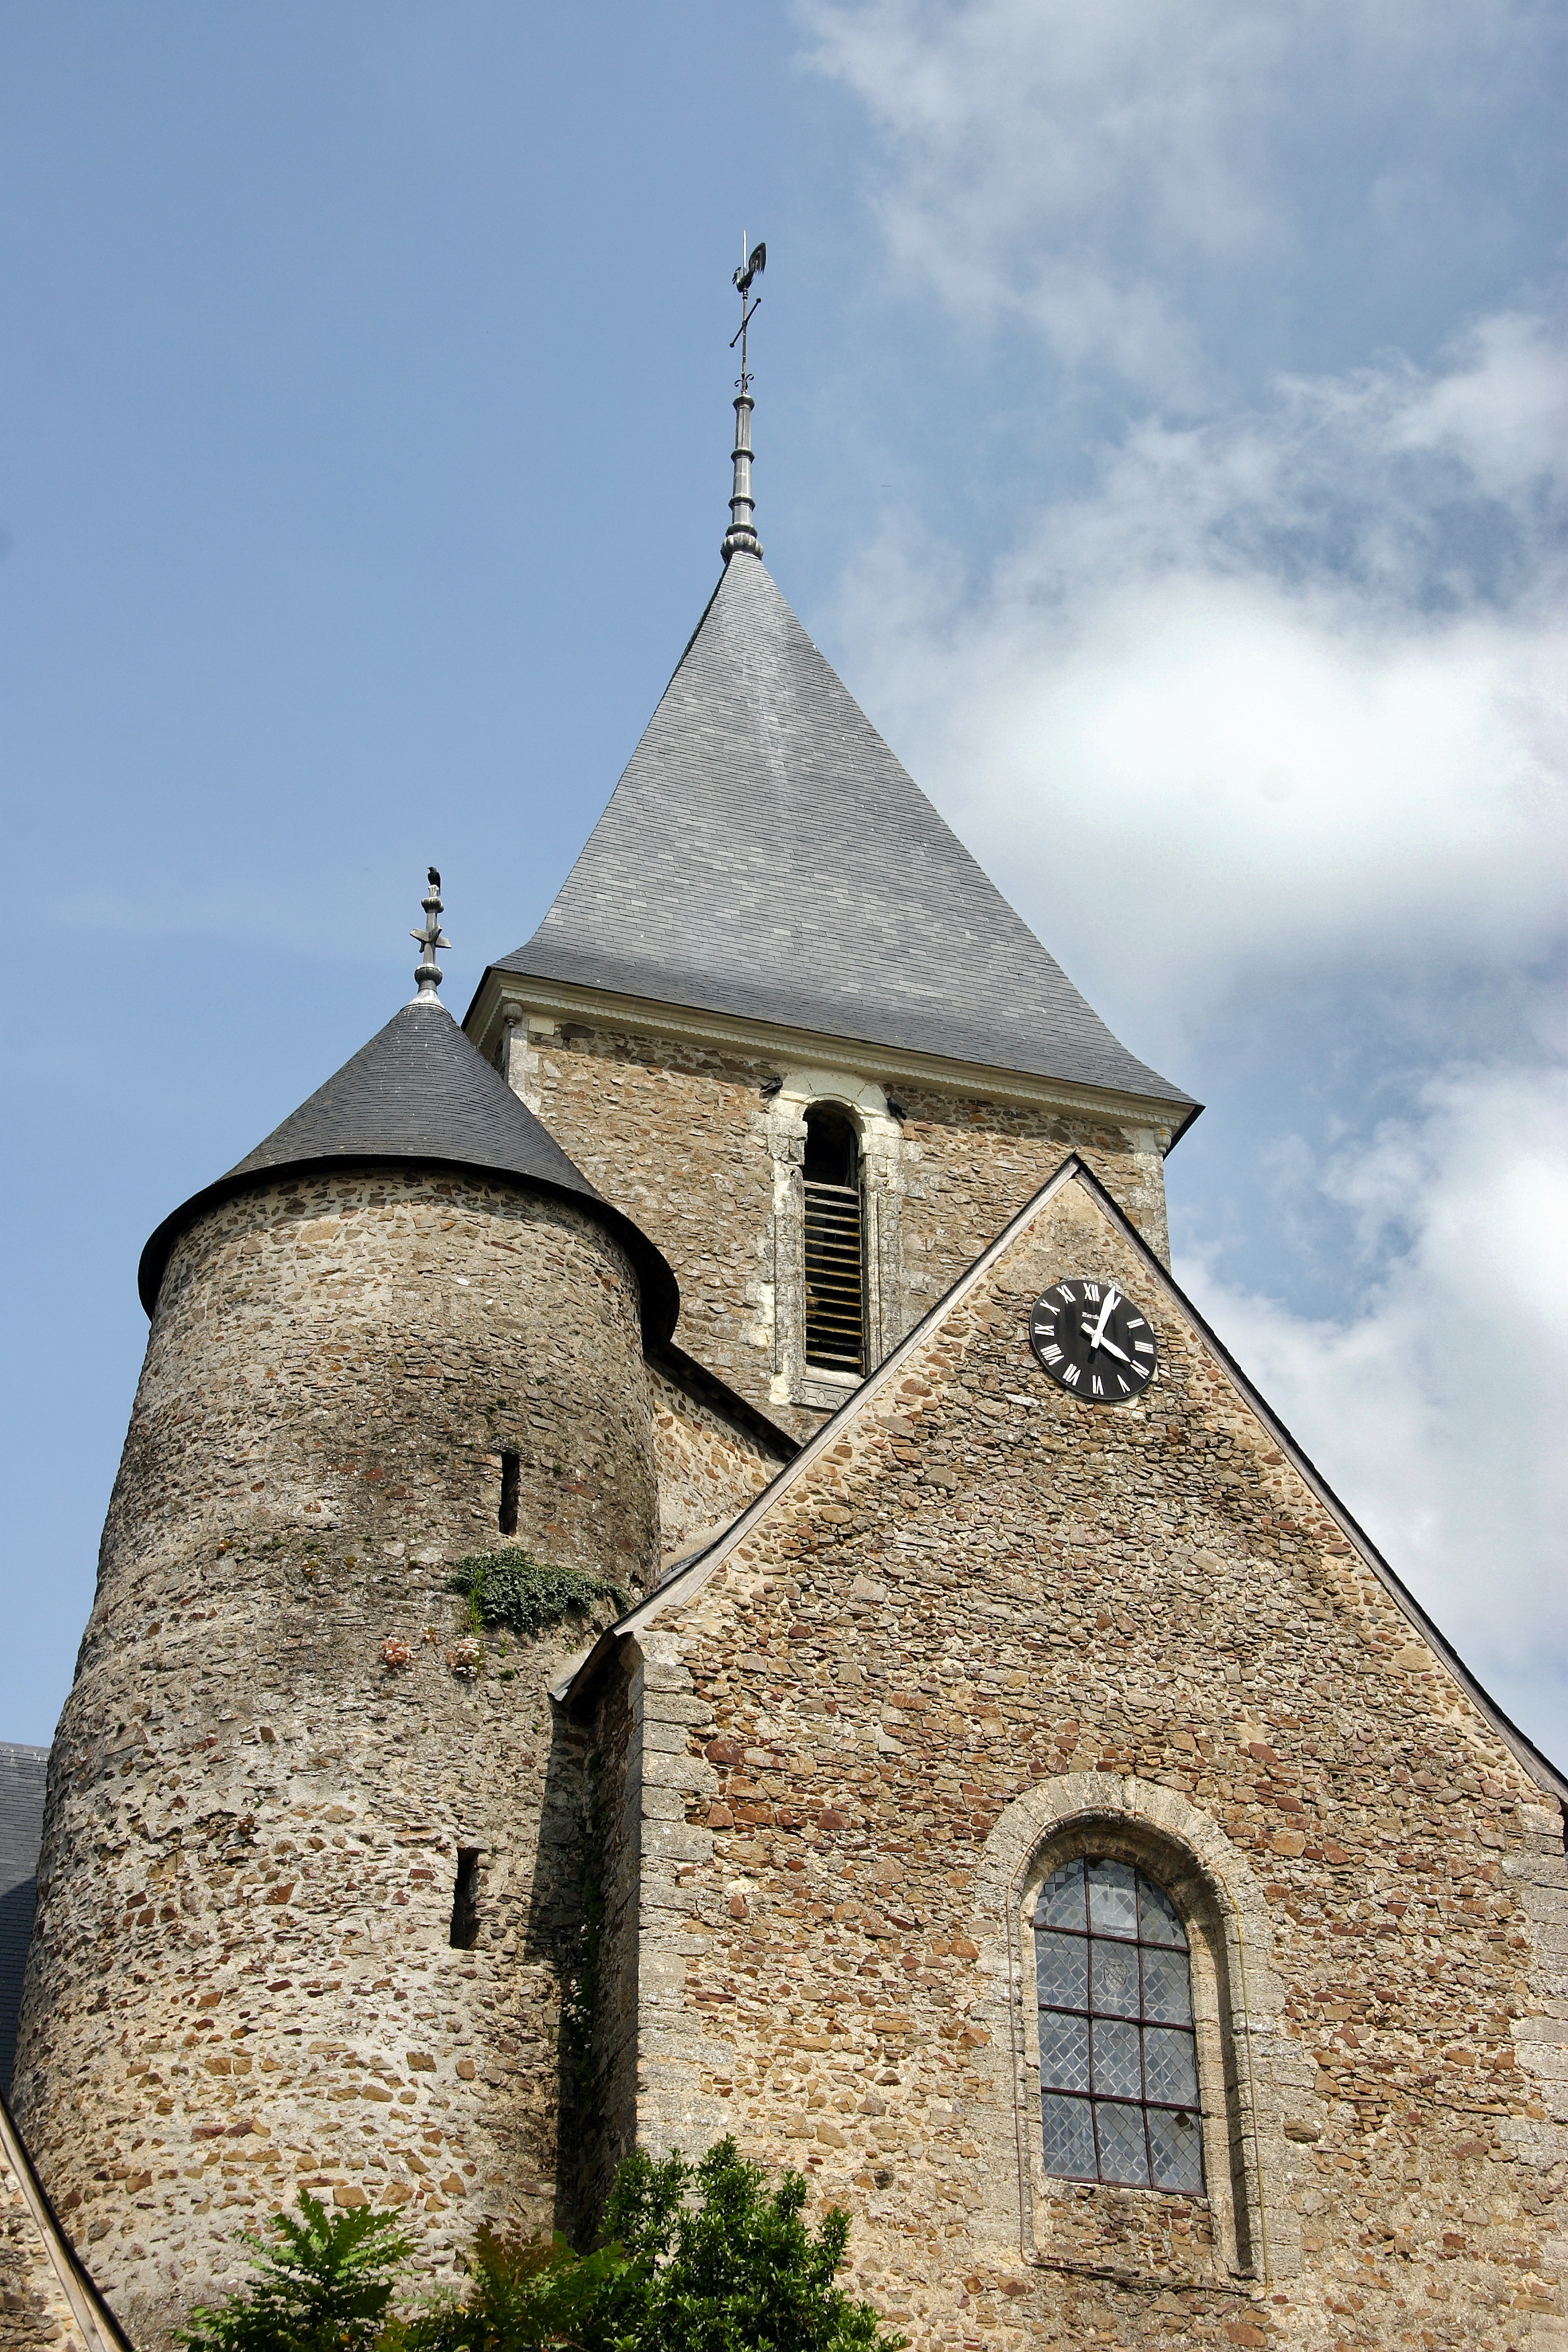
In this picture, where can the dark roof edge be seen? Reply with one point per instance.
(1540, 1767)
(685, 1372)
(660, 1293)
(870, 1046)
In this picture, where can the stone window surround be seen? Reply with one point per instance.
(1249, 2074)
(881, 1192)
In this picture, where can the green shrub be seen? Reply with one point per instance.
(323, 2287)
(512, 1589)
(692, 2258)
(532, 2296)
(733, 2267)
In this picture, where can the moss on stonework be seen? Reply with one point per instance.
(512, 1589)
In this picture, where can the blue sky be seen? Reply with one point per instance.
(1161, 426)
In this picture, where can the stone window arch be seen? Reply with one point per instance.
(1130, 1851)
(1258, 2109)
(824, 1126)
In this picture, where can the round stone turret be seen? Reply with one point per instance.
(308, 1895)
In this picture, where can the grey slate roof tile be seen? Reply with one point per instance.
(765, 855)
(22, 1772)
(421, 1091)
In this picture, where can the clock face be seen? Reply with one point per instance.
(1093, 1342)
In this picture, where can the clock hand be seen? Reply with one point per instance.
(1098, 1338)
(1111, 1349)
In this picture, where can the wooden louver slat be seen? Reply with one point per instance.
(835, 1279)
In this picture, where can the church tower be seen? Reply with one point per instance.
(1014, 1792)
(305, 1901)
(780, 1015)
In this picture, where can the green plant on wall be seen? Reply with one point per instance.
(512, 1589)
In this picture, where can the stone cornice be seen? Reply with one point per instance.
(559, 1001)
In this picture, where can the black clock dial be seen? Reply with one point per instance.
(1093, 1342)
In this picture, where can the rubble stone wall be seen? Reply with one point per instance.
(988, 1625)
(709, 1468)
(678, 1136)
(242, 1978)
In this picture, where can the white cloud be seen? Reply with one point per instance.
(1436, 1408)
(1273, 712)
(1293, 686)
(1076, 168)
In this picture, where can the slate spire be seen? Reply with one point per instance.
(765, 855)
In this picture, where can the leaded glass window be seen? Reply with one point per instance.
(1119, 2075)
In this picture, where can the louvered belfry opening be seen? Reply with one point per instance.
(835, 1243)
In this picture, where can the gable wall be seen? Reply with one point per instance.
(677, 1136)
(974, 1620)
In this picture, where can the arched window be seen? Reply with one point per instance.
(1119, 2079)
(835, 1243)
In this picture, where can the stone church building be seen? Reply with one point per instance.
(995, 1775)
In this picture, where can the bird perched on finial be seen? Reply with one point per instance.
(432, 937)
(753, 266)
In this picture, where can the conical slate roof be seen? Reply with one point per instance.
(422, 1091)
(765, 855)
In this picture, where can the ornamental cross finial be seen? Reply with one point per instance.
(742, 535)
(428, 972)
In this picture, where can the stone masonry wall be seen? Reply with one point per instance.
(988, 1626)
(242, 1978)
(709, 1468)
(677, 1137)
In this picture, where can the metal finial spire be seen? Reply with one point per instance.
(741, 534)
(428, 972)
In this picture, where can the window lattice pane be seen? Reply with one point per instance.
(1122, 2154)
(1113, 1898)
(1171, 2066)
(1118, 2074)
(1157, 1920)
(1113, 1979)
(1061, 1898)
(1064, 2052)
(1176, 2145)
(1070, 2138)
(1167, 1988)
(1131, 2061)
(1061, 1963)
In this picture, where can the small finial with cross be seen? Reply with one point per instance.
(742, 535)
(428, 972)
